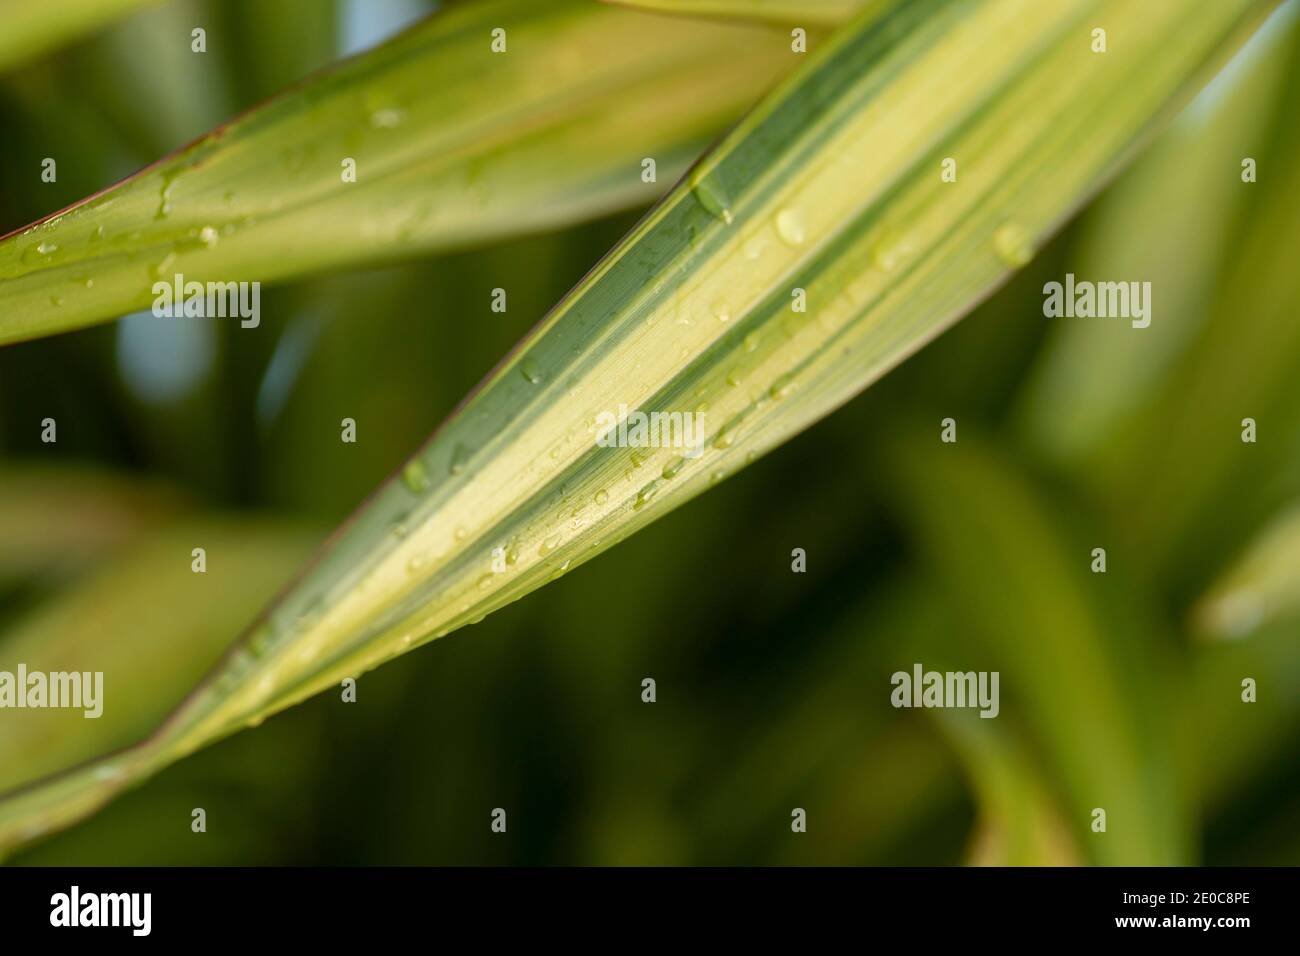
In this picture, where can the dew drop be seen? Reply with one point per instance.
(735, 377)
(260, 641)
(721, 312)
(673, 467)
(39, 252)
(163, 265)
(529, 370)
(459, 457)
(549, 545)
(310, 614)
(889, 251)
(415, 476)
(169, 177)
(781, 387)
(1013, 245)
(644, 495)
(710, 195)
(602, 496)
(790, 227)
(387, 118)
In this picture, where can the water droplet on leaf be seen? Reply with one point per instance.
(415, 476)
(529, 370)
(790, 227)
(1013, 245)
(644, 495)
(710, 194)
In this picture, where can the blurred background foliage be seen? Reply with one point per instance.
(1119, 690)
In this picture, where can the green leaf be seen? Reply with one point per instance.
(1190, 490)
(1076, 663)
(823, 734)
(151, 625)
(778, 11)
(1020, 823)
(831, 186)
(1021, 818)
(279, 43)
(454, 145)
(1230, 744)
(28, 29)
(62, 518)
(1167, 221)
(1262, 585)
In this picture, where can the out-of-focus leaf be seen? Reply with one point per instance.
(818, 750)
(59, 517)
(1187, 490)
(31, 27)
(1261, 586)
(831, 186)
(1229, 742)
(453, 145)
(155, 118)
(1066, 655)
(1168, 221)
(1019, 823)
(279, 43)
(1020, 818)
(151, 625)
(779, 11)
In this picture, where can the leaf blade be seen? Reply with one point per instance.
(830, 12)
(550, 132)
(30, 29)
(802, 194)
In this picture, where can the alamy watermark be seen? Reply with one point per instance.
(1102, 300)
(637, 429)
(213, 300)
(82, 690)
(922, 688)
(133, 911)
